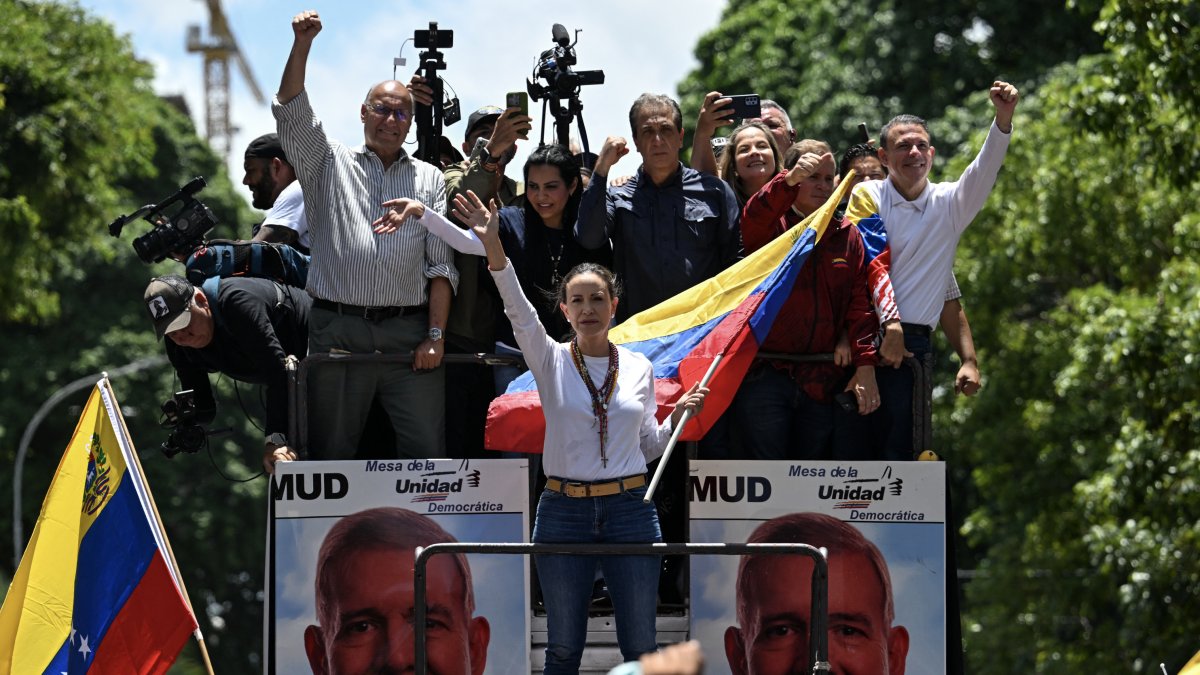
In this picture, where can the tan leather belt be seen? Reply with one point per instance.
(612, 487)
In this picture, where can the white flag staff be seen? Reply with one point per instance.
(687, 415)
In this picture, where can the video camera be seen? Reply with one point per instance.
(554, 66)
(179, 233)
(562, 83)
(179, 415)
(431, 118)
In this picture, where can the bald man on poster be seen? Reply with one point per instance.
(364, 600)
(774, 603)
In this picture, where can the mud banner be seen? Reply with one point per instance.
(342, 549)
(884, 526)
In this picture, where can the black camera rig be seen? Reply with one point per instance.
(179, 233)
(179, 415)
(430, 118)
(562, 83)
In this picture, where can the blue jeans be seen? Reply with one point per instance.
(891, 425)
(567, 580)
(777, 420)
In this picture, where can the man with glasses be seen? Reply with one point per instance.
(372, 293)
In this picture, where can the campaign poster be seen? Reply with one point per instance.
(872, 516)
(373, 513)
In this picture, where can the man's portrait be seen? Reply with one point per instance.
(774, 598)
(887, 610)
(364, 600)
(341, 565)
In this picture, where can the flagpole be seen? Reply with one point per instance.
(687, 415)
(133, 456)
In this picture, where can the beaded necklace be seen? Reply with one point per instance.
(601, 397)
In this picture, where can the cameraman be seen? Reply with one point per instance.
(245, 332)
(274, 188)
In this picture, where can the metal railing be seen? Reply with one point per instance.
(922, 407)
(298, 382)
(818, 639)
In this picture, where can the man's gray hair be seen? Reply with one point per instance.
(768, 103)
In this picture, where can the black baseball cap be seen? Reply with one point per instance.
(487, 112)
(168, 301)
(266, 146)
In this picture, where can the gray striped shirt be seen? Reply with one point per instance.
(343, 189)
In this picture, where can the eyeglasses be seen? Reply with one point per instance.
(385, 112)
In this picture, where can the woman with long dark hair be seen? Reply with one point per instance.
(601, 431)
(537, 235)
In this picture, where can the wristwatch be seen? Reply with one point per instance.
(434, 334)
(277, 439)
(486, 159)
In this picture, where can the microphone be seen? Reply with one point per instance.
(559, 33)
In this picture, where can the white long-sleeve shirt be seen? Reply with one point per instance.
(572, 447)
(923, 233)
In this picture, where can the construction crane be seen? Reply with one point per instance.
(218, 50)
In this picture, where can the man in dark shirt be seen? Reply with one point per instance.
(671, 226)
(245, 332)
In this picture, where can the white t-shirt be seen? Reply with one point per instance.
(288, 212)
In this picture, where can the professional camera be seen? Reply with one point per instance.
(554, 66)
(179, 415)
(179, 233)
(562, 84)
(444, 110)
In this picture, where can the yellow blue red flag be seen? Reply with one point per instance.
(94, 592)
(730, 314)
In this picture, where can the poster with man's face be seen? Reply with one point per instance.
(343, 548)
(883, 524)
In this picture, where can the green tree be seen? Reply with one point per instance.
(834, 64)
(84, 139)
(1082, 287)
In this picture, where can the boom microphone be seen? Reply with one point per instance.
(560, 34)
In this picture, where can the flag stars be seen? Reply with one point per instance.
(84, 648)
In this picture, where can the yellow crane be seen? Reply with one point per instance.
(218, 50)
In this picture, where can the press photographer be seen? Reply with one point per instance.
(241, 327)
(181, 236)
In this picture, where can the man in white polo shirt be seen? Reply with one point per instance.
(914, 227)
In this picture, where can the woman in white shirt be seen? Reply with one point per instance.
(601, 430)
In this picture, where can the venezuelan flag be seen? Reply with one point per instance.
(94, 592)
(1192, 667)
(863, 212)
(729, 314)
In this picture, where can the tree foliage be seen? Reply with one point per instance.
(83, 140)
(835, 64)
(1081, 278)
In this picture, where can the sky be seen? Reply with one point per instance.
(641, 46)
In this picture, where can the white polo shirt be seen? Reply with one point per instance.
(923, 234)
